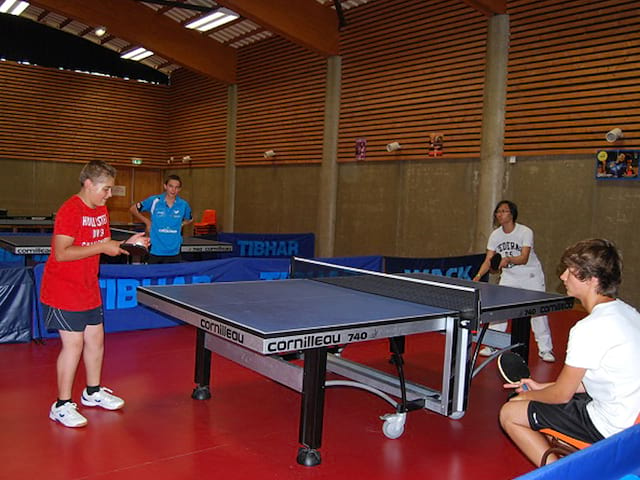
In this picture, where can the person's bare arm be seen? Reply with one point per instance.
(142, 218)
(521, 259)
(486, 265)
(66, 251)
(569, 383)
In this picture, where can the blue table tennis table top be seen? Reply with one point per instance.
(299, 306)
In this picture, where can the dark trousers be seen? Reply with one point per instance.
(157, 259)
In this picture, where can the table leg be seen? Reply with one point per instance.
(312, 406)
(202, 376)
(520, 333)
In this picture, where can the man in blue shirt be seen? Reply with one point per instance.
(168, 214)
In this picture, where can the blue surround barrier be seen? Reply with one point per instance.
(118, 284)
(16, 300)
(615, 458)
(457, 267)
(119, 281)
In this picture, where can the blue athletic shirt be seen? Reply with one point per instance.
(166, 223)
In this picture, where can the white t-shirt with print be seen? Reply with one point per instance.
(510, 245)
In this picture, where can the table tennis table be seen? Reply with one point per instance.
(44, 223)
(28, 222)
(40, 244)
(325, 305)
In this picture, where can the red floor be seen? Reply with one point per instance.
(249, 429)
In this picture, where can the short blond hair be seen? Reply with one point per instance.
(96, 170)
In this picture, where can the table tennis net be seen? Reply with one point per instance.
(462, 300)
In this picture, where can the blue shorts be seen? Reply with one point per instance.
(58, 319)
(570, 418)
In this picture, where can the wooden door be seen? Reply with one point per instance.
(145, 183)
(120, 202)
(132, 185)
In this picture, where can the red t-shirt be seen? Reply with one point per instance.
(74, 285)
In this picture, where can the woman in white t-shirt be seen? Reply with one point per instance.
(597, 393)
(519, 268)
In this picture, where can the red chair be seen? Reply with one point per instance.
(562, 444)
(208, 225)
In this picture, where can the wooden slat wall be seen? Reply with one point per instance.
(56, 115)
(573, 75)
(281, 89)
(197, 120)
(410, 68)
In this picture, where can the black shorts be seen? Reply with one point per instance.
(569, 418)
(158, 259)
(58, 319)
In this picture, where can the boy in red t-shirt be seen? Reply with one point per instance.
(70, 292)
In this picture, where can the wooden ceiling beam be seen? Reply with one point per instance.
(140, 25)
(303, 22)
(488, 7)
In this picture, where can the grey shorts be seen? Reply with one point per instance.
(58, 319)
(570, 418)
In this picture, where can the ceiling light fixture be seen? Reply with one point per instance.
(212, 20)
(100, 31)
(137, 54)
(13, 7)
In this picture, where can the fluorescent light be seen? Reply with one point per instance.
(213, 20)
(132, 53)
(142, 55)
(18, 9)
(217, 23)
(137, 54)
(13, 7)
(202, 20)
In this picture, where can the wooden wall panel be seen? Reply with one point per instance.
(411, 68)
(119, 205)
(572, 75)
(281, 90)
(56, 115)
(197, 120)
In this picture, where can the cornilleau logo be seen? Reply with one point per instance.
(302, 343)
(222, 330)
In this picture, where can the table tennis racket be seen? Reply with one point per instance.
(135, 249)
(495, 262)
(513, 368)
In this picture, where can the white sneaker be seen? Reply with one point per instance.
(487, 351)
(547, 356)
(67, 415)
(102, 398)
